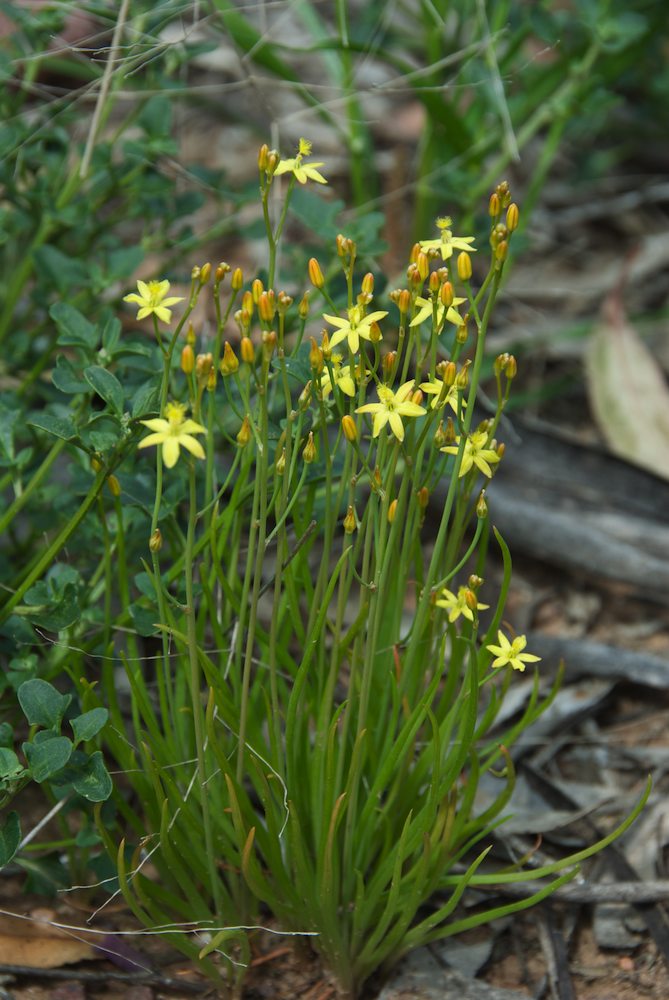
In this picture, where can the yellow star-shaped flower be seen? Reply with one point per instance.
(458, 605)
(450, 394)
(425, 312)
(173, 433)
(342, 378)
(151, 299)
(512, 652)
(475, 453)
(447, 242)
(356, 325)
(392, 406)
(303, 172)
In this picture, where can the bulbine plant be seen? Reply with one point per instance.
(303, 737)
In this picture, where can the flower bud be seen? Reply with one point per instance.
(284, 302)
(325, 345)
(481, 506)
(349, 428)
(512, 217)
(475, 582)
(462, 378)
(203, 363)
(449, 373)
(266, 306)
(114, 486)
(229, 361)
(434, 283)
(415, 250)
(187, 359)
(273, 160)
(440, 436)
(368, 284)
(96, 464)
(417, 397)
(244, 433)
(211, 380)
(257, 289)
(471, 600)
(423, 265)
(423, 497)
(388, 364)
(195, 273)
(502, 250)
(315, 274)
(280, 463)
(447, 294)
(316, 357)
(303, 308)
(494, 206)
(461, 333)
(500, 362)
(309, 451)
(375, 334)
(263, 153)
(449, 431)
(349, 521)
(341, 243)
(246, 350)
(413, 274)
(464, 266)
(156, 541)
(404, 301)
(268, 343)
(237, 279)
(221, 272)
(392, 511)
(205, 273)
(511, 367)
(247, 304)
(305, 396)
(190, 335)
(500, 449)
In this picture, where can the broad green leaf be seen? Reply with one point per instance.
(10, 838)
(146, 398)
(74, 329)
(66, 378)
(62, 269)
(42, 705)
(88, 725)
(106, 385)
(59, 612)
(95, 783)
(10, 765)
(60, 427)
(49, 757)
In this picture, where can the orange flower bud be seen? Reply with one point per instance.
(315, 274)
(502, 250)
(415, 250)
(423, 497)
(268, 343)
(263, 153)
(325, 345)
(494, 206)
(303, 308)
(247, 350)
(244, 433)
(187, 359)
(471, 600)
(309, 451)
(273, 160)
(404, 301)
(257, 289)
(349, 428)
(392, 511)
(423, 265)
(464, 266)
(368, 284)
(447, 294)
(449, 373)
(247, 303)
(205, 273)
(284, 302)
(461, 333)
(500, 449)
(221, 272)
(388, 363)
(156, 541)
(511, 367)
(434, 283)
(229, 361)
(266, 306)
(417, 397)
(375, 334)
(237, 279)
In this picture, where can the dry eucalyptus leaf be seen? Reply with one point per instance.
(38, 944)
(628, 392)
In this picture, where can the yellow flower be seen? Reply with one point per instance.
(475, 453)
(392, 406)
(173, 433)
(425, 312)
(457, 606)
(357, 325)
(450, 397)
(342, 378)
(512, 652)
(151, 299)
(303, 172)
(447, 242)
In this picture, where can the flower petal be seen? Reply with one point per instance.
(191, 444)
(170, 451)
(156, 424)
